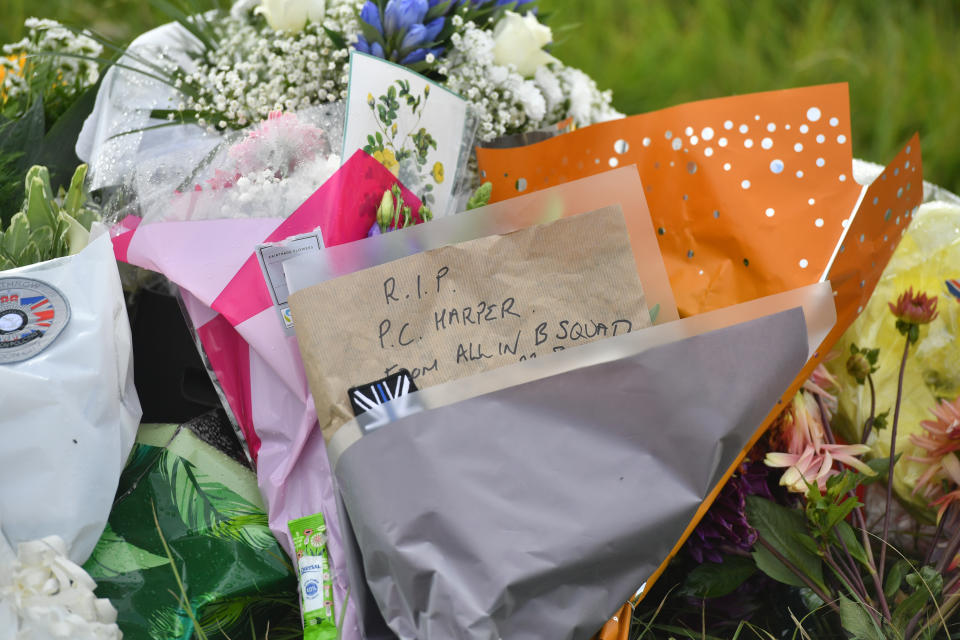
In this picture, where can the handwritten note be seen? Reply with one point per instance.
(466, 308)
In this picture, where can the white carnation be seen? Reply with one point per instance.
(44, 595)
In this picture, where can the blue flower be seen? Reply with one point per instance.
(401, 34)
(418, 55)
(371, 15)
(400, 15)
(362, 44)
(434, 27)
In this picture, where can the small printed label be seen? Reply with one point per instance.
(272, 255)
(32, 315)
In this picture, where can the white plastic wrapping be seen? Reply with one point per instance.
(69, 412)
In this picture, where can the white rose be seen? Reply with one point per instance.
(291, 15)
(519, 41)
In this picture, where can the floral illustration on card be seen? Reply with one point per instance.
(405, 152)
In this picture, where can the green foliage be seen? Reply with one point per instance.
(480, 197)
(47, 227)
(858, 622)
(782, 529)
(712, 580)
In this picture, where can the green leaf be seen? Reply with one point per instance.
(337, 38)
(770, 565)
(369, 32)
(41, 172)
(927, 585)
(76, 195)
(43, 239)
(481, 196)
(38, 207)
(30, 255)
(856, 620)
(711, 580)
(77, 237)
(777, 525)
(17, 235)
(910, 606)
(928, 579)
(114, 556)
(895, 578)
(849, 537)
(6, 264)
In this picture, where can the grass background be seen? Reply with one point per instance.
(901, 59)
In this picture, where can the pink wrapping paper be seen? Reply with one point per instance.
(257, 366)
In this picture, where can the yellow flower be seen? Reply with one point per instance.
(370, 100)
(17, 59)
(389, 160)
(438, 172)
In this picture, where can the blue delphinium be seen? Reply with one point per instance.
(415, 32)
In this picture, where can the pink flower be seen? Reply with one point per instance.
(951, 465)
(815, 464)
(914, 308)
(799, 425)
(940, 440)
(822, 383)
(808, 457)
(279, 144)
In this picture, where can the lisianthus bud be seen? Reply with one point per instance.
(385, 210)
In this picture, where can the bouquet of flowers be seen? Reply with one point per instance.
(849, 515)
(418, 395)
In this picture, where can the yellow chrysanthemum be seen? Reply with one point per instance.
(925, 260)
(438, 172)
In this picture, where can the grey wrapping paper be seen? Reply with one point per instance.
(498, 516)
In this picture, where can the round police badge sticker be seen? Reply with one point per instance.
(32, 315)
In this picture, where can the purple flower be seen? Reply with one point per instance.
(725, 528)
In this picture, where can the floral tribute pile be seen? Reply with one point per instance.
(214, 152)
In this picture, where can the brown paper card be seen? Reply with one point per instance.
(462, 309)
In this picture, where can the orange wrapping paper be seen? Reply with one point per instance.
(751, 196)
(748, 193)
